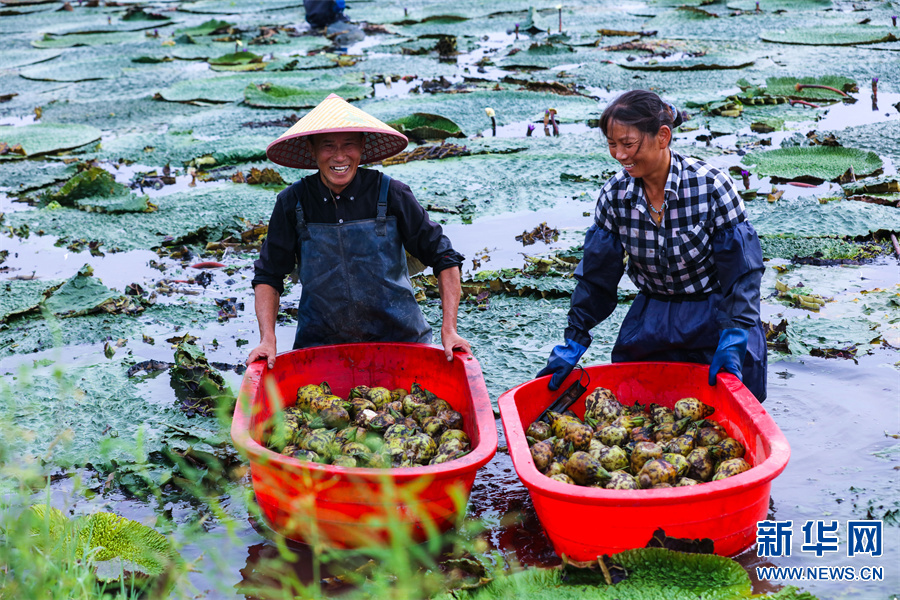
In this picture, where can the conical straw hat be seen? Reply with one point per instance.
(331, 115)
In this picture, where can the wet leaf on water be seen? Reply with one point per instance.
(269, 95)
(787, 86)
(847, 34)
(88, 39)
(46, 138)
(421, 126)
(817, 162)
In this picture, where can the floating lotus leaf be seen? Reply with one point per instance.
(81, 294)
(874, 185)
(230, 88)
(229, 7)
(267, 95)
(91, 69)
(22, 296)
(817, 162)
(787, 86)
(205, 28)
(806, 217)
(12, 59)
(45, 138)
(849, 34)
(204, 214)
(97, 190)
(427, 126)
(236, 58)
(827, 248)
(881, 138)
(25, 175)
(88, 39)
(699, 63)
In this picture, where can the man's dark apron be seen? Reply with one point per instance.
(684, 329)
(355, 282)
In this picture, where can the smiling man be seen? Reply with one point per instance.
(347, 229)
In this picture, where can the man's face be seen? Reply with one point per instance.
(337, 155)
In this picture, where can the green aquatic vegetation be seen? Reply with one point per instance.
(205, 28)
(652, 573)
(87, 69)
(426, 126)
(817, 162)
(83, 294)
(269, 95)
(236, 58)
(95, 189)
(205, 388)
(823, 248)
(881, 138)
(846, 34)
(707, 62)
(873, 185)
(806, 217)
(233, 88)
(89, 39)
(789, 6)
(13, 59)
(110, 543)
(18, 296)
(47, 138)
(24, 176)
(201, 215)
(788, 86)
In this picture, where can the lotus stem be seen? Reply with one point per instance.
(387, 81)
(490, 112)
(757, 6)
(517, 31)
(875, 86)
(801, 184)
(553, 124)
(405, 12)
(804, 103)
(559, 8)
(801, 86)
(894, 21)
(745, 175)
(530, 130)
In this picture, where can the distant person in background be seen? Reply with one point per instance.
(690, 250)
(322, 13)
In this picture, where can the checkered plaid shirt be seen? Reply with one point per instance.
(676, 256)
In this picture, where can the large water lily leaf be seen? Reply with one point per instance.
(881, 138)
(88, 39)
(227, 7)
(268, 95)
(779, 5)
(25, 175)
(86, 70)
(46, 138)
(699, 63)
(806, 217)
(205, 214)
(426, 126)
(848, 34)
(230, 88)
(82, 294)
(788, 86)
(788, 246)
(22, 296)
(819, 162)
(12, 59)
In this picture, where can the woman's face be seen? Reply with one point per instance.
(641, 154)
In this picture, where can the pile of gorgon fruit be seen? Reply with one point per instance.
(375, 427)
(635, 447)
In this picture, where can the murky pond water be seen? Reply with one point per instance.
(841, 416)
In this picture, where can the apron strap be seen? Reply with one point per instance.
(382, 204)
(302, 229)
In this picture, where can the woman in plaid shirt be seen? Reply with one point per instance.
(689, 249)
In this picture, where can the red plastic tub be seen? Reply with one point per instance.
(350, 507)
(584, 523)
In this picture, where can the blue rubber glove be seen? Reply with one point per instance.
(730, 353)
(562, 360)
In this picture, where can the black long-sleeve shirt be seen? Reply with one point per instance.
(422, 237)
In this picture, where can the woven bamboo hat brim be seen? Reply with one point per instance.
(335, 114)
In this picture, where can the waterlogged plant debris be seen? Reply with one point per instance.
(816, 162)
(47, 138)
(112, 544)
(205, 387)
(19, 296)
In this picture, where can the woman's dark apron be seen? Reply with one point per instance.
(355, 282)
(684, 329)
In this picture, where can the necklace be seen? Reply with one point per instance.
(660, 211)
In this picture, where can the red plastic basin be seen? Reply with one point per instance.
(584, 523)
(350, 507)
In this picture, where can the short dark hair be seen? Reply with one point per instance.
(641, 109)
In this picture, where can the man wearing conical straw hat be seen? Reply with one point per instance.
(347, 229)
